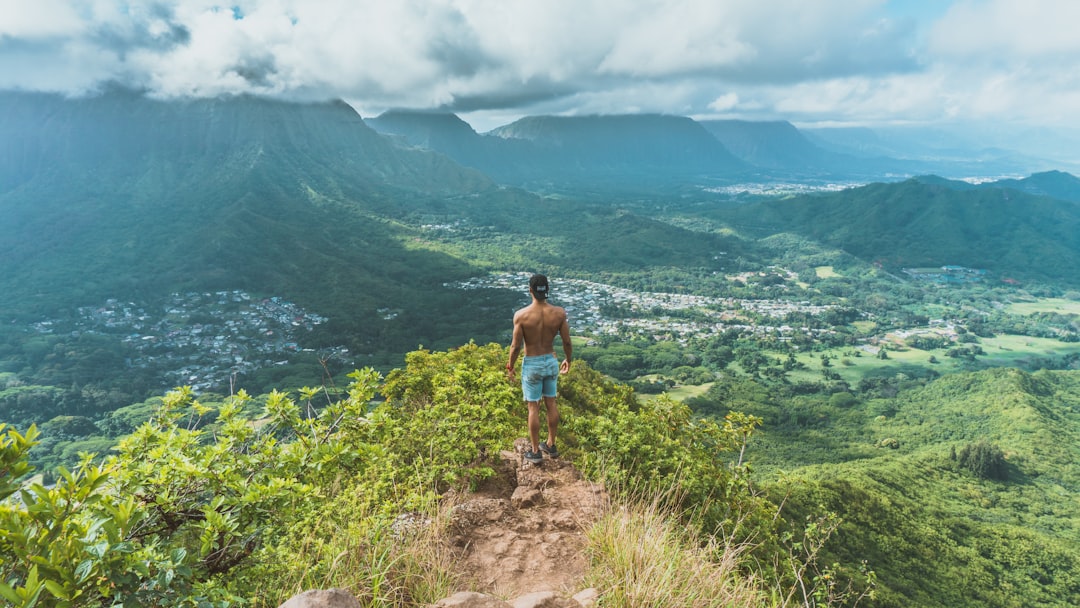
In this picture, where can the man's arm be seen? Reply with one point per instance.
(567, 345)
(515, 346)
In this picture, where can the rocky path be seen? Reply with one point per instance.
(524, 530)
(518, 540)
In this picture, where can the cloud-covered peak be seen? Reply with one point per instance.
(830, 61)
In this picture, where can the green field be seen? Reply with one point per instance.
(852, 367)
(679, 392)
(1058, 305)
(686, 391)
(864, 326)
(1014, 351)
(825, 272)
(1001, 351)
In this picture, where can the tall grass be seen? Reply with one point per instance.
(387, 566)
(641, 556)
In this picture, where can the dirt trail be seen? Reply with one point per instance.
(523, 531)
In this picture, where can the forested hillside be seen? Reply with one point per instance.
(578, 156)
(921, 224)
(963, 492)
(121, 196)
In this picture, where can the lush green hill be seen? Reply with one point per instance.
(119, 196)
(901, 474)
(1055, 184)
(920, 224)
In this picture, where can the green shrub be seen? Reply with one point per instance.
(984, 459)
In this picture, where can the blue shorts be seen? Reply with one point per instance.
(539, 376)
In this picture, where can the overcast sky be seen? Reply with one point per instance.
(813, 62)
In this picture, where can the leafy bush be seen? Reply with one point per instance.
(984, 459)
(659, 444)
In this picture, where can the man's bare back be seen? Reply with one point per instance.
(537, 325)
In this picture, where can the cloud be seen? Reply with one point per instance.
(1006, 31)
(828, 60)
(725, 102)
(45, 19)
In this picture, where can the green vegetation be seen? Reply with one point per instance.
(825, 272)
(646, 558)
(961, 492)
(205, 506)
(920, 224)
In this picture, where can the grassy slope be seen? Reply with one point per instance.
(935, 534)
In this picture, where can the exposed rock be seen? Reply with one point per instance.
(408, 524)
(322, 598)
(544, 599)
(587, 597)
(478, 511)
(539, 599)
(470, 599)
(523, 530)
(525, 497)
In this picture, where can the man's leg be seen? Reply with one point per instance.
(534, 424)
(552, 420)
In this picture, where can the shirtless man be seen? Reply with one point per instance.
(535, 327)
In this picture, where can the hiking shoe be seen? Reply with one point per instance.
(550, 450)
(534, 457)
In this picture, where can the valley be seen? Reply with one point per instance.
(219, 341)
(877, 327)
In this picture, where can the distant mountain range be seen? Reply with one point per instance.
(669, 153)
(124, 196)
(580, 154)
(1013, 149)
(775, 145)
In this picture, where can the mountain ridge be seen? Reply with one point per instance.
(779, 145)
(928, 223)
(609, 152)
